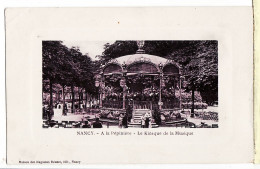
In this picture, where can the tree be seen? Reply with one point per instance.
(117, 49)
(86, 76)
(159, 48)
(200, 68)
(67, 68)
(75, 71)
(52, 54)
(81, 73)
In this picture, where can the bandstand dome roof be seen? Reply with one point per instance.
(128, 59)
(141, 63)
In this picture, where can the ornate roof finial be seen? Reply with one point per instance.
(140, 44)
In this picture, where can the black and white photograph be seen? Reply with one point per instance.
(130, 84)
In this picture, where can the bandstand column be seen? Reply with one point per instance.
(100, 97)
(160, 92)
(123, 85)
(101, 92)
(124, 92)
(180, 91)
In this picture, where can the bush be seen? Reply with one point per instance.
(186, 96)
(109, 114)
(116, 114)
(197, 105)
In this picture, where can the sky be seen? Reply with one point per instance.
(93, 48)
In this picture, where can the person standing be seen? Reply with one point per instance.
(129, 111)
(143, 122)
(147, 120)
(65, 109)
(125, 121)
(44, 116)
(150, 123)
(120, 121)
(48, 111)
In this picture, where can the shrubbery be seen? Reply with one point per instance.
(197, 105)
(186, 96)
(107, 114)
(169, 116)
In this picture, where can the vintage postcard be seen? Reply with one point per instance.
(129, 85)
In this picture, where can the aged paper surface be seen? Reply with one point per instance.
(28, 142)
(256, 82)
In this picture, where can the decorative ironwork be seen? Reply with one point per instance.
(140, 45)
(160, 66)
(112, 61)
(124, 65)
(112, 68)
(142, 67)
(142, 59)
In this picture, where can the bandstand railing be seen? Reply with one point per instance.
(170, 104)
(113, 104)
(118, 104)
(142, 104)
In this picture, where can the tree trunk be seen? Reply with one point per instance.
(86, 97)
(51, 101)
(79, 93)
(72, 99)
(58, 96)
(175, 98)
(192, 106)
(174, 86)
(63, 99)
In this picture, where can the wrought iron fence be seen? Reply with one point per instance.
(171, 104)
(140, 104)
(112, 104)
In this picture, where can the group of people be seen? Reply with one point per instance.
(96, 124)
(146, 121)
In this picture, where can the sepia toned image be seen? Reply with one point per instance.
(130, 84)
(147, 86)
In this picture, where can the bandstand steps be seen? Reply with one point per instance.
(137, 118)
(138, 125)
(138, 114)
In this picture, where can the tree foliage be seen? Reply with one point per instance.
(199, 62)
(65, 67)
